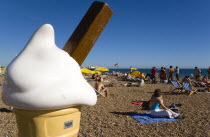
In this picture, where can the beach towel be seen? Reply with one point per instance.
(136, 102)
(144, 118)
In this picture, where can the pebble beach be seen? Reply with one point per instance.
(111, 116)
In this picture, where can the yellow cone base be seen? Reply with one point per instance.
(48, 123)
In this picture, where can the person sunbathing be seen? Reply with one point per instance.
(155, 102)
(140, 83)
(130, 84)
(128, 76)
(99, 86)
(200, 82)
(205, 80)
(98, 77)
(95, 75)
(187, 80)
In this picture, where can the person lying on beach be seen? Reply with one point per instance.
(99, 86)
(199, 82)
(130, 84)
(99, 77)
(94, 76)
(155, 102)
(128, 76)
(205, 80)
(140, 83)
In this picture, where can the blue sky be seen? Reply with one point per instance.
(141, 33)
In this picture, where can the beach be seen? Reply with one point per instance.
(110, 116)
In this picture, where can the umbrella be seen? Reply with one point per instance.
(134, 68)
(95, 71)
(101, 69)
(137, 74)
(86, 71)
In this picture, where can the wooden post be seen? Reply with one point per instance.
(87, 32)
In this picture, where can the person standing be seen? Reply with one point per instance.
(177, 73)
(208, 72)
(130, 69)
(171, 72)
(0, 69)
(153, 77)
(165, 77)
(197, 72)
(162, 71)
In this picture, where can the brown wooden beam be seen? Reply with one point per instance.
(87, 32)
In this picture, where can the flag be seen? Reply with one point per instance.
(116, 65)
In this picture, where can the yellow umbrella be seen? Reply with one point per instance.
(137, 74)
(86, 71)
(101, 69)
(95, 71)
(3, 70)
(134, 68)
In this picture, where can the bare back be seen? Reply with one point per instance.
(99, 86)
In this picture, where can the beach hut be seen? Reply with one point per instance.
(137, 74)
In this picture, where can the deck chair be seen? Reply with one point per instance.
(176, 85)
(99, 93)
(188, 88)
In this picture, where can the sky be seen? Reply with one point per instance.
(141, 33)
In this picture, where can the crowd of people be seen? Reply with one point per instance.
(165, 76)
(154, 103)
(174, 74)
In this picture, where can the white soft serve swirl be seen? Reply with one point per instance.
(45, 77)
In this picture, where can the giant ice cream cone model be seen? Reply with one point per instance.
(46, 88)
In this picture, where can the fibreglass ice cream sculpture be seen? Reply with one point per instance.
(44, 83)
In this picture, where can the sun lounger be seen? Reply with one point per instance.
(98, 93)
(188, 88)
(176, 86)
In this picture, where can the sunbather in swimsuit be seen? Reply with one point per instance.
(99, 86)
(155, 102)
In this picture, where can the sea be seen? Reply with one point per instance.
(182, 72)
